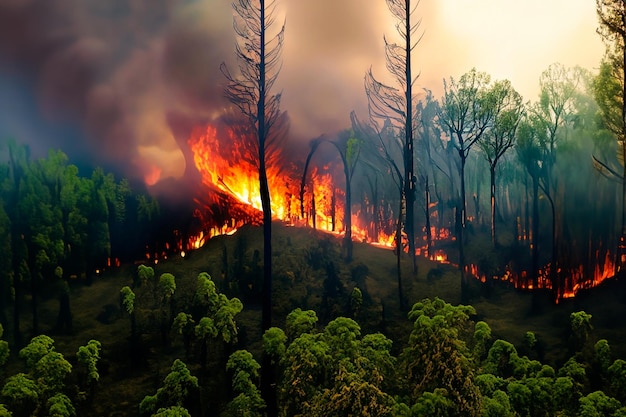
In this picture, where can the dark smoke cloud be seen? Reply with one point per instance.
(123, 82)
(116, 70)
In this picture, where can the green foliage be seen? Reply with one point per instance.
(576, 371)
(51, 370)
(598, 404)
(59, 405)
(245, 370)
(437, 358)
(489, 383)
(482, 337)
(304, 363)
(4, 348)
(274, 340)
(498, 405)
(436, 403)
(206, 294)
(38, 347)
(88, 357)
(21, 394)
(342, 336)
(602, 354)
(128, 299)
(177, 387)
(351, 395)
(356, 301)
(174, 411)
(145, 274)
(617, 378)
(299, 322)
(225, 318)
(4, 412)
(167, 285)
(581, 327)
(206, 328)
(501, 359)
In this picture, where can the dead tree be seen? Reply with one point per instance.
(396, 105)
(258, 50)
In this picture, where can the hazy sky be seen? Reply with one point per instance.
(121, 81)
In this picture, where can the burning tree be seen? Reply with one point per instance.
(396, 105)
(258, 54)
(258, 51)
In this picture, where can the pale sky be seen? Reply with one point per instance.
(122, 82)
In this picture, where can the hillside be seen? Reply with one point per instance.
(302, 267)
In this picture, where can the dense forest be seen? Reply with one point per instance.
(440, 256)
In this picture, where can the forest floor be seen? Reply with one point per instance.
(301, 267)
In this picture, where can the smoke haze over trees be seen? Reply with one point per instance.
(117, 83)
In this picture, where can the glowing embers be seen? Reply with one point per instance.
(565, 282)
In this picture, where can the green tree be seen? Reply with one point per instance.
(274, 340)
(245, 370)
(299, 322)
(507, 112)
(528, 150)
(59, 405)
(581, 328)
(610, 91)
(558, 90)
(184, 325)
(4, 348)
(21, 394)
(437, 357)
(88, 357)
(179, 386)
(598, 404)
(466, 113)
(174, 411)
(356, 301)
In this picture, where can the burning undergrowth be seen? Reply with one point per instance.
(226, 197)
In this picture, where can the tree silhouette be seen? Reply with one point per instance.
(508, 108)
(396, 105)
(258, 51)
(258, 54)
(465, 114)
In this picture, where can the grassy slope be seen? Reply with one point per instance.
(298, 284)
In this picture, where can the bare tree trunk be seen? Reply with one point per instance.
(399, 256)
(461, 234)
(535, 244)
(429, 236)
(492, 177)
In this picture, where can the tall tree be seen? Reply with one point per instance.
(396, 104)
(258, 52)
(466, 113)
(428, 136)
(529, 154)
(508, 108)
(558, 88)
(610, 91)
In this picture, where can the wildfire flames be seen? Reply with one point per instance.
(226, 159)
(228, 168)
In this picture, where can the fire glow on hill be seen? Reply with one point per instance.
(231, 199)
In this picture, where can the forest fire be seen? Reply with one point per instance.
(569, 280)
(228, 170)
(225, 158)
